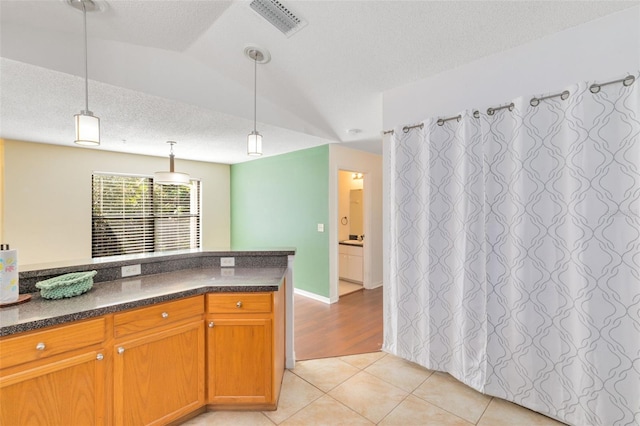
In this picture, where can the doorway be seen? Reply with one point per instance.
(351, 235)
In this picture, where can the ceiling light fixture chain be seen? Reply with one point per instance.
(172, 157)
(86, 60)
(255, 89)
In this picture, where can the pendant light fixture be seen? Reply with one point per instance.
(171, 177)
(262, 56)
(87, 124)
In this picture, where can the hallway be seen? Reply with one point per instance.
(351, 326)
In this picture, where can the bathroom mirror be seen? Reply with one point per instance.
(355, 211)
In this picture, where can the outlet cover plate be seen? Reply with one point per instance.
(228, 261)
(130, 270)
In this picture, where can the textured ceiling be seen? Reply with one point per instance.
(175, 70)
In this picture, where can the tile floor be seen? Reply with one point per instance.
(377, 388)
(346, 287)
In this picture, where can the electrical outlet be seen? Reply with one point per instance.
(321, 227)
(228, 261)
(130, 270)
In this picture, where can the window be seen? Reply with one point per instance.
(132, 215)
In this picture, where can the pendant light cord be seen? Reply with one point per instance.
(255, 88)
(86, 66)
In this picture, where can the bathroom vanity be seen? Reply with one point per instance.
(351, 265)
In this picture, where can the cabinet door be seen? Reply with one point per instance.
(66, 390)
(239, 360)
(159, 377)
(343, 266)
(355, 268)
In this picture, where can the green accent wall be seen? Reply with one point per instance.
(279, 202)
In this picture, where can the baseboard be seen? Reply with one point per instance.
(312, 296)
(376, 285)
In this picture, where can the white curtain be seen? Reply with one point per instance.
(514, 252)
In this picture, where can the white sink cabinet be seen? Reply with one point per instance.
(351, 263)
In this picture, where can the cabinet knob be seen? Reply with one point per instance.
(211, 324)
(99, 357)
(165, 315)
(239, 304)
(40, 346)
(120, 350)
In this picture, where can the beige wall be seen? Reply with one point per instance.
(345, 184)
(47, 197)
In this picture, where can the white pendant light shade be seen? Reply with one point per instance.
(254, 143)
(87, 129)
(171, 177)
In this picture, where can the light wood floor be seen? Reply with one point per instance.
(351, 326)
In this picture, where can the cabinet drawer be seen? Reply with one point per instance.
(238, 303)
(143, 319)
(53, 341)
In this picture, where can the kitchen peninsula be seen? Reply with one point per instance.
(184, 336)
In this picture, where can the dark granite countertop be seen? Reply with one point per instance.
(354, 243)
(118, 295)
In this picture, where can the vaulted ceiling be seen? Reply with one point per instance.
(176, 70)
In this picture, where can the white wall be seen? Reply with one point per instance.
(341, 158)
(601, 50)
(47, 198)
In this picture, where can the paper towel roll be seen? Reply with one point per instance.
(8, 276)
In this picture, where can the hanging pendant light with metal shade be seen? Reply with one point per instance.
(171, 177)
(87, 124)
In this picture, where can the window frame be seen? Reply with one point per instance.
(149, 223)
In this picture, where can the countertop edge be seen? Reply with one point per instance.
(92, 313)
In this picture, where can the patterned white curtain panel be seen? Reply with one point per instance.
(514, 252)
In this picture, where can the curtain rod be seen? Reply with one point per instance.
(535, 101)
(441, 121)
(627, 81)
(492, 110)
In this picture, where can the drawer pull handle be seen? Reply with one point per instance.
(99, 357)
(211, 324)
(120, 350)
(239, 304)
(165, 315)
(40, 346)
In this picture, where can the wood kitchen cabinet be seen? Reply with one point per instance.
(148, 366)
(159, 362)
(54, 376)
(245, 349)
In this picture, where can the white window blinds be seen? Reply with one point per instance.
(131, 215)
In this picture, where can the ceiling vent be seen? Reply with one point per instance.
(279, 16)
